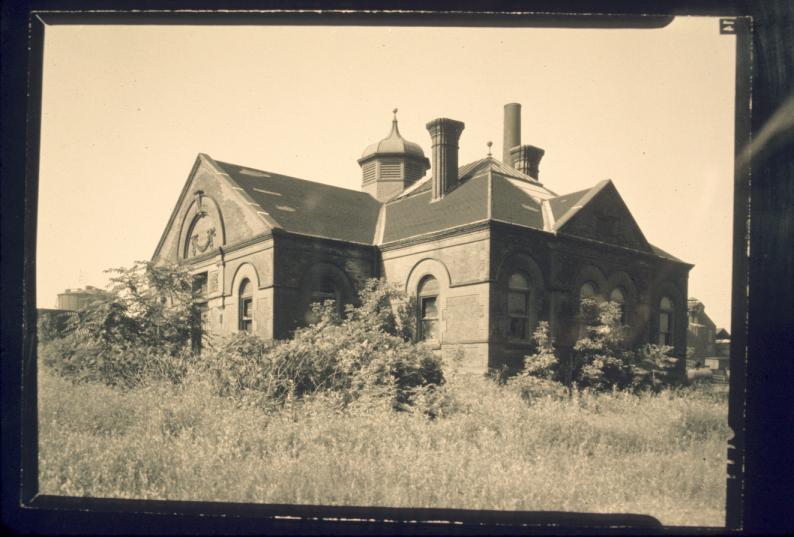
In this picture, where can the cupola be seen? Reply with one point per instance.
(391, 165)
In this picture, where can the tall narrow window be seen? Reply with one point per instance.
(200, 317)
(322, 289)
(518, 306)
(666, 321)
(587, 315)
(428, 309)
(326, 290)
(246, 301)
(618, 297)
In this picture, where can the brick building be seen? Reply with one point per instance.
(701, 333)
(486, 247)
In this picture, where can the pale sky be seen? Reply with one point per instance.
(126, 109)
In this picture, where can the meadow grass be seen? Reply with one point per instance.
(662, 455)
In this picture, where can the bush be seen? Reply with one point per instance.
(81, 359)
(53, 324)
(137, 331)
(368, 351)
(540, 376)
(653, 368)
(147, 306)
(600, 357)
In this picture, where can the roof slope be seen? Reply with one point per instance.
(511, 204)
(562, 205)
(487, 190)
(309, 208)
(416, 215)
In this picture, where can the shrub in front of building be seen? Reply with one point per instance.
(368, 351)
(601, 360)
(139, 330)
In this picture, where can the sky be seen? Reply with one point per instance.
(126, 109)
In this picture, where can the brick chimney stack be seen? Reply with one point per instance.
(526, 159)
(444, 134)
(512, 131)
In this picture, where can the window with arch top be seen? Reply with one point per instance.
(246, 306)
(587, 315)
(427, 293)
(321, 290)
(619, 297)
(666, 321)
(518, 296)
(326, 289)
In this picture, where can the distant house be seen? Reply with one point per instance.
(701, 332)
(720, 361)
(77, 299)
(54, 322)
(488, 250)
(710, 345)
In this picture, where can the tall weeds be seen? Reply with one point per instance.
(661, 454)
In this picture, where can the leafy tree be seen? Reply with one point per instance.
(369, 351)
(602, 360)
(541, 374)
(138, 329)
(543, 363)
(653, 368)
(53, 324)
(146, 306)
(600, 357)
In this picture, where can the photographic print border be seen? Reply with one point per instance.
(29, 511)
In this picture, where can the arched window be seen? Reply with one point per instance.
(326, 290)
(666, 321)
(428, 309)
(587, 315)
(587, 290)
(619, 297)
(322, 289)
(246, 302)
(518, 306)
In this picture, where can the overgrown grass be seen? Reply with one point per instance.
(662, 455)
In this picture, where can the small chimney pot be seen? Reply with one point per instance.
(526, 159)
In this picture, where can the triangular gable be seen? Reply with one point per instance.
(221, 215)
(601, 214)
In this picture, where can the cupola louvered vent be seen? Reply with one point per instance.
(391, 169)
(369, 171)
(391, 165)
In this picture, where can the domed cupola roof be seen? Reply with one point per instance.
(394, 144)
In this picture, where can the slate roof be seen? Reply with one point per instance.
(307, 207)
(415, 215)
(488, 190)
(562, 204)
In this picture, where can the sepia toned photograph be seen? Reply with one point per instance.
(457, 267)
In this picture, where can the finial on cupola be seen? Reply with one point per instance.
(489, 144)
(395, 114)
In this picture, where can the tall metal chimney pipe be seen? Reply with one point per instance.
(444, 134)
(512, 131)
